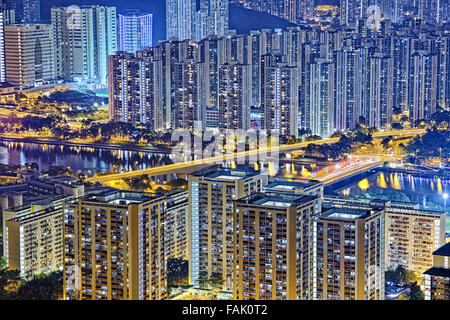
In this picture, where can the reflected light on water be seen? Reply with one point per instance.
(381, 181)
(395, 182)
(439, 186)
(305, 173)
(272, 169)
(364, 184)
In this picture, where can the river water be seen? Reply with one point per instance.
(80, 159)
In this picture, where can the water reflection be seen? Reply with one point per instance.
(429, 192)
(80, 159)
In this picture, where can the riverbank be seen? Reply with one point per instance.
(108, 146)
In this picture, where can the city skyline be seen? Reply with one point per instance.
(225, 150)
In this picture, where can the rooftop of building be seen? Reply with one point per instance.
(443, 251)
(292, 184)
(347, 213)
(24, 218)
(122, 197)
(226, 174)
(268, 199)
(440, 272)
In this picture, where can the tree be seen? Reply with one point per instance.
(390, 275)
(397, 110)
(216, 280)
(177, 271)
(386, 142)
(35, 166)
(337, 134)
(42, 287)
(400, 275)
(9, 281)
(415, 293)
(177, 183)
(203, 279)
(303, 132)
(361, 120)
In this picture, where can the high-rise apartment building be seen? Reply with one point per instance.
(272, 246)
(29, 55)
(345, 109)
(430, 11)
(437, 278)
(234, 96)
(319, 80)
(2, 47)
(187, 21)
(32, 221)
(412, 234)
(114, 247)
(212, 54)
(135, 89)
(305, 10)
(180, 17)
(401, 48)
(422, 92)
(351, 11)
(84, 38)
(348, 254)
(443, 78)
(215, 14)
(175, 228)
(7, 17)
(279, 96)
(210, 222)
(321, 97)
(186, 108)
(135, 32)
(378, 111)
(25, 11)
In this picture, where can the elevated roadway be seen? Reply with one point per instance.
(192, 165)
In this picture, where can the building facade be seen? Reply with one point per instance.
(84, 38)
(437, 278)
(135, 32)
(210, 222)
(349, 255)
(114, 247)
(272, 247)
(29, 55)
